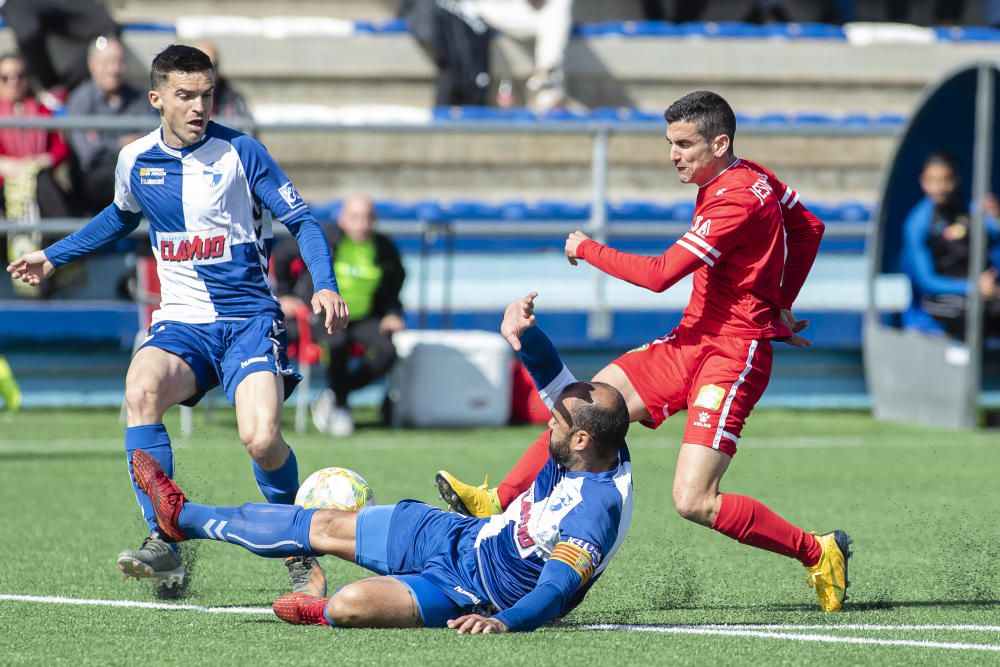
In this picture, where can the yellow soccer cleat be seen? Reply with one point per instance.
(829, 575)
(477, 501)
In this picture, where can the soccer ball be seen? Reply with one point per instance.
(334, 489)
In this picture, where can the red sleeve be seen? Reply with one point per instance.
(803, 233)
(58, 148)
(653, 273)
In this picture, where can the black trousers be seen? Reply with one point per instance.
(378, 357)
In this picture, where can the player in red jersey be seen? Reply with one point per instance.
(750, 247)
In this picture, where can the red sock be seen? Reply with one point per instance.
(525, 470)
(749, 521)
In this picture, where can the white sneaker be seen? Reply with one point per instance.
(322, 410)
(341, 422)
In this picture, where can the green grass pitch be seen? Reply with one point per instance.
(922, 507)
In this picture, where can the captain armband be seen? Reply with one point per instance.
(582, 556)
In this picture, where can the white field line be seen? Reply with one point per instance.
(133, 604)
(754, 631)
(827, 639)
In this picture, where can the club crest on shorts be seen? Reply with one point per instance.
(710, 396)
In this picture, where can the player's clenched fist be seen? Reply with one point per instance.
(337, 314)
(31, 268)
(474, 624)
(518, 317)
(573, 242)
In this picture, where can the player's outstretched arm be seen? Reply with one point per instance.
(31, 268)
(654, 273)
(103, 229)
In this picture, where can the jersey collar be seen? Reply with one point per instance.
(187, 150)
(731, 165)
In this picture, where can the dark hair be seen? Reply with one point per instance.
(943, 158)
(709, 111)
(605, 420)
(177, 58)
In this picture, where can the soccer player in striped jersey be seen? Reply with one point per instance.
(510, 572)
(750, 247)
(209, 194)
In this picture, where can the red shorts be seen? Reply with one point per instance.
(718, 379)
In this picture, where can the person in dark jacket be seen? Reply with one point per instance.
(936, 251)
(370, 274)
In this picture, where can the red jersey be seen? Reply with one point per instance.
(745, 220)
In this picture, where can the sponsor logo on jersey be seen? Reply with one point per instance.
(462, 591)
(152, 175)
(700, 228)
(710, 396)
(524, 538)
(761, 189)
(290, 195)
(255, 360)
(194, 248)
(212, 174)
(703, 418)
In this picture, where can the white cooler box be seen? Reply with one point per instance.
(450, 378)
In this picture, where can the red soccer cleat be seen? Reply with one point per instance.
(301, 609)
(166, 497)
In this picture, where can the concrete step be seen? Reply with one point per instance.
(583, 10)
(758, 75)
(495, 167)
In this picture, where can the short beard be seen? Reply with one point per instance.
(559, 451)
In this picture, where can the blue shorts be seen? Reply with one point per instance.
(422, 546)
(227, 352)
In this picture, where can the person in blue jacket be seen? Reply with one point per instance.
(936, 251)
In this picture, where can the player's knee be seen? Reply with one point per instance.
(265, 446)
(691, 505)
(347, 608)
(141, 398)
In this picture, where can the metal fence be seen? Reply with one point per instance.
(598, 227)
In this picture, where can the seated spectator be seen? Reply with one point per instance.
(76, 22)
(28, 157)
(106, 93)
(227, 101)
(936, 251)
(548, 22)
(370, 274)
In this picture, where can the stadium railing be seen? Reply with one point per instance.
(432, 225)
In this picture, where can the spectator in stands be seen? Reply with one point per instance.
(548, 22)
(77, 22)
(370, 274)
(106, 93)
(227, 101)
(458, 42)
(936, 250)
(28, 157)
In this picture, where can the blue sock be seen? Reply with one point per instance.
(279, 486)
(154, 440)
(265, 529)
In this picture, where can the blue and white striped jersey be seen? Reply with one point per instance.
(209, 207)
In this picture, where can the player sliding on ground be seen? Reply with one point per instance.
(750, 247)
(514, 571)
(209, 194)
